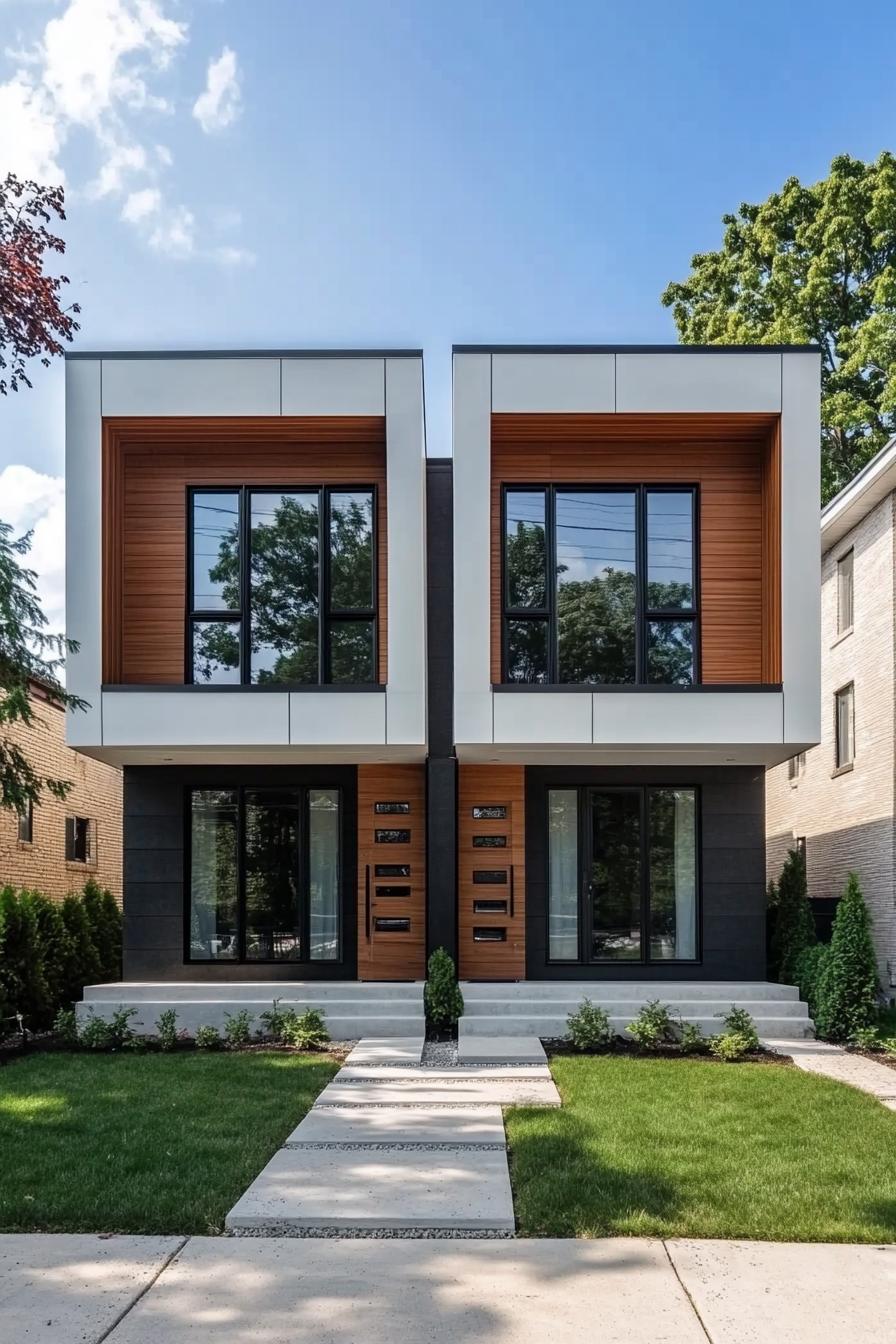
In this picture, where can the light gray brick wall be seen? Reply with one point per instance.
(848, 819)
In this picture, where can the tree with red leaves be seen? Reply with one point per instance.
(33, 323)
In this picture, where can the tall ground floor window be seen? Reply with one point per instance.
(264, 874)
(622, 874)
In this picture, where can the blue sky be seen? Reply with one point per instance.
(271, 173)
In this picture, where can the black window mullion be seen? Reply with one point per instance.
(304, 863)
(245, 534)
(241, 874)
(645, 874)
(550, 583)
(323, 586)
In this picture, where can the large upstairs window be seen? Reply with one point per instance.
(282, 586)
(600, 585)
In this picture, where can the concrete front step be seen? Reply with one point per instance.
(604, 991)
(706, 1008)
(314, 992)
(397, 1191)
(500, 1050)
(556, 1027)
(344, 1022)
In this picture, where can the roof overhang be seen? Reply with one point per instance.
(874, 482)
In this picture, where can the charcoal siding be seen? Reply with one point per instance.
(155, 870)
(732, 843)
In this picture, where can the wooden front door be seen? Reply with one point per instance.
(491, 872)
(391, 872)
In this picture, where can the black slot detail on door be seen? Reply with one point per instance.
(392, 870)
(387, 924)
(383, 809)
(484, 935)
(392, 837)
(489, 907)
(489, 841)
(493, 813)
(490, 877)
(393, 891)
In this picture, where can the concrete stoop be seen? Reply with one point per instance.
(397, 1149)
(540, 1008)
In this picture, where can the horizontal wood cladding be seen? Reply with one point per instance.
(385, 955)
(490, 786)
(148, 465)
(735, 462)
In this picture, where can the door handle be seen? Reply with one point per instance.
(511, 892)
(367, 899)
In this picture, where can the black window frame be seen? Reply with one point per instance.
(304, 827)
(327, 614)
(584, 792)
(72, 833)
(644, 613)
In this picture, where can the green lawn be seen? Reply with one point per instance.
(149, 1143)
(688, 1148)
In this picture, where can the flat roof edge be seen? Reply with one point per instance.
(336, 353)
(635, 349)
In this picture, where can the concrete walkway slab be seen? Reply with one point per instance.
(383, 1125)
(750, 1292)
(441, 1092)
(832, 1061)
(60, 1289)
(457, 1292)
(387, 1050)
(388, 1189)
(443, 1073)
(501, 1050)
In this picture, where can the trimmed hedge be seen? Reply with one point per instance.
(50, 950)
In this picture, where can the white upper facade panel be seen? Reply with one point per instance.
(246, 568)
(636, 561)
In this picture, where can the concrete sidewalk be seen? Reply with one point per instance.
(214, 1290)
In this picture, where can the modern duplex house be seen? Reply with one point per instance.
(836, 801)
(518, 703)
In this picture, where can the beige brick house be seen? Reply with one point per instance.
(59, 844)
(839, 798)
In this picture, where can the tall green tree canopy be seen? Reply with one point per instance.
(812, 264)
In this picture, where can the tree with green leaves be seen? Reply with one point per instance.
(33, 325)
(849, 984)
(794, 928)
(812, 264)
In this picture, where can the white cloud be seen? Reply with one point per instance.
(220, 102)
(98, 67)
(32, 500)
(233, 256)
(141, 204)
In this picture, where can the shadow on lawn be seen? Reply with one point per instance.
(563, 1189)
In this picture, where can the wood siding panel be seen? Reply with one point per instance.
(381, 955)
(490, 785)
(147, 467)
(734, 462)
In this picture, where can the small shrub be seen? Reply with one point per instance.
(65, 1027)
(306, 1031)
(120, 1027)
(653, 1026)
(442, 998)
(274, 1021)
(738, 1022)
(730, 1046)
(167, 1033)
(95, 1034)
(238, 1028)
(691, 1039)
(589, 1027)
(847, 998)
(208, 1038)
(84, 966)
(794, 927)
(865, 1038)
(809, 972)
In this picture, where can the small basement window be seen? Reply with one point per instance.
(78, 840)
